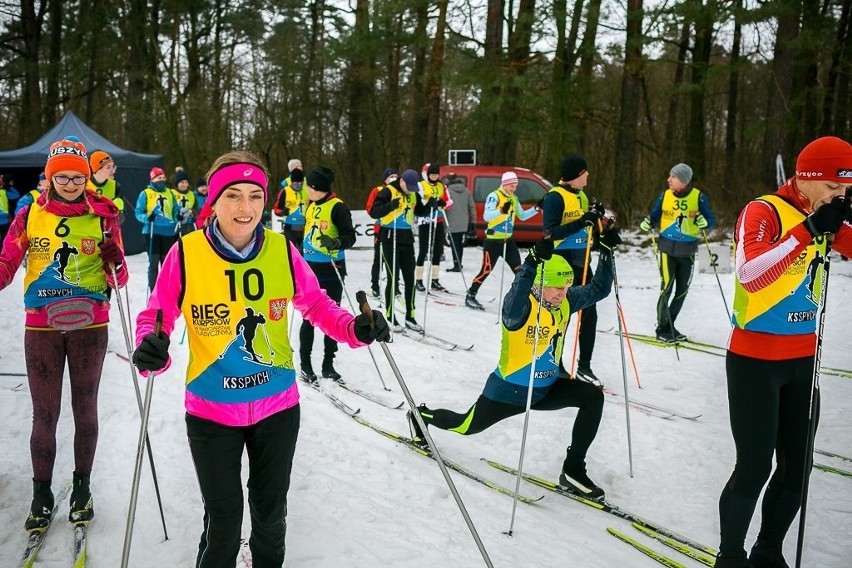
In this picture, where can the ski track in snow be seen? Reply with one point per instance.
(359, 500)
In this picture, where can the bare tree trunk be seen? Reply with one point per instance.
(31, 24)
(842, 39)
(674, 98)
(625, 145)
(777, 138)
(588, 51)
(419, 112)
(359, 91)
(51, 98)
(806, 87)
(733, 110)
(695, 141)
(433, 86)
(559, 135)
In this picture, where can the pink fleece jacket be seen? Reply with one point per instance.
(311, 301)
(17, 243)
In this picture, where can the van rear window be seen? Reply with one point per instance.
(484, 186)
(529, 192)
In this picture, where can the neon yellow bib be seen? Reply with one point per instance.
(63, 258)
(574, 206)
(503, 225)
(184, 199)
(236, 321)
(403, 216)
(430, 191)
(317, 223)
(789, 305)
(516, 347)
(677, 222)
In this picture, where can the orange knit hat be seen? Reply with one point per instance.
(67, 154)
(99, 159)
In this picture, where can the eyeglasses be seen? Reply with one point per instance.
(64, 180)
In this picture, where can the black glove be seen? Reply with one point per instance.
(610, 238)
(368, 329)
(471, 229)
(395, 202)
(152, 217)
(153, 353)
(441, 202)
(827, 218)
(329, 242)
(506, 206)
(432, 203)
(110, 252)
(593, 215)
(542, 250)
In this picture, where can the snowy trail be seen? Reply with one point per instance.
(359, 500)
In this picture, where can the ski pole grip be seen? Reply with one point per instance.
(158, 324)
(361, 298)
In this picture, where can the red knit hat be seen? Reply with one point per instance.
(156, 172)
(67, 154)
(828, 158)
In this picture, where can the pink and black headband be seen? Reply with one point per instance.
(232, 174)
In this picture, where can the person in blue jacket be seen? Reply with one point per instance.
(158, 211)
(683, 213)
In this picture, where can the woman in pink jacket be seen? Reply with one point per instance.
(66, 299)
(232, 282)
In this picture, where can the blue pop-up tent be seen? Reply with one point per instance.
(24, 165)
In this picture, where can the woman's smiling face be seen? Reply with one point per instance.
(238, 210)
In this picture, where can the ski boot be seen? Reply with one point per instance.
(41, 507)
(735, 561)
(82, 510)
(307, 373)
(328, 371)
(412, 324)
(573, 479)
(395, 326)
(471, 302)
(765, 554)
(584, 372)
(437, 286)
(419, 285)
(416, 433)
(664, 334)
(375, 290)
(678, 335)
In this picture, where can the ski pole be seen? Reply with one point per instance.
(663, 297)
(621, 330)
(128, 346)
(134, 491)
(580, 313)
(351, 305)
(361, 298)
(716, 272)
(620, 308)
(814, 402)
(529, 402)
(150, 258)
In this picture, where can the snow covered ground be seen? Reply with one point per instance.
(359, 500)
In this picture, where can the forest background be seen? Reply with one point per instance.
(634, 86)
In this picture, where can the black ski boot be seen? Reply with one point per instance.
(416, 433)
(664, 334)
(573, 479)
(307, 373)
(437, 286)
(375, 290)
(41, 507)
(82, 510)
(584, 372)
(765, 554)
(419, 285)
(471, 302)
(328, 371)
(735, 561)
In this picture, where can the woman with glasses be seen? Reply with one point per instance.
(72, 238)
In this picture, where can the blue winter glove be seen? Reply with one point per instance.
(700, 221)
(645, 225)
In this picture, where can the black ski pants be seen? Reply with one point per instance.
(296, 235)
(564, 393)
(437, 243)
(492, 251)
(675, 273)
(158, 246)
(588, 317)
(404, 270)
(457, 248)
(217, 452)
(334, 289)
(768, 402)
(377, 259)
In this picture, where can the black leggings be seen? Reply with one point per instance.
(46, 353)
(217, 452)
(768, 403)
(404, 269)
(675, 273)
(157, 250)
(492, 251)
(437, 244)
(306, 332)
(563, 394)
